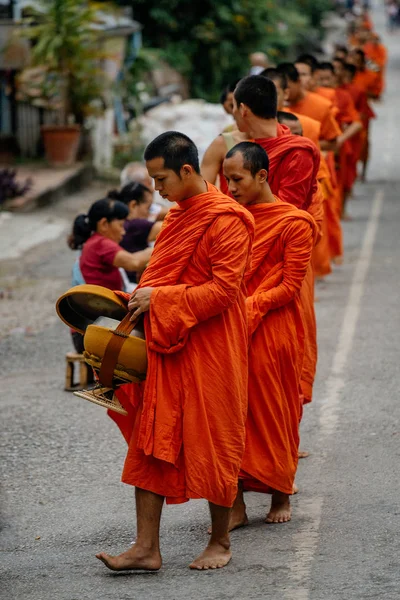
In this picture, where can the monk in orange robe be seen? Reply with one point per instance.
(365, 78)
(186, 422)
(321, 256)
(315, 106)
(312, 105)
(310, 128)
(281, 257)
(294, 165)
(308, 69)
(349, 121)
(346, 72)
(297, 159)
(330, 246)
(376, 56)
(308, 66)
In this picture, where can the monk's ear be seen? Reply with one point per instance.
(244, 110)
(286, 94)
(262, 175)
(186, 171)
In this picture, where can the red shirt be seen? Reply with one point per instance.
(96, 262)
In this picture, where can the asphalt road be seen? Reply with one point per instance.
(61, 458)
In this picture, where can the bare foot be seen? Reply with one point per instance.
(215, 556)
(135, 558)
(338, 260)
(295, 489)
(280, 511)
(303, 454)
(237, 519)
(346, 217)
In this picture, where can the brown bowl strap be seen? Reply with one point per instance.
(113, 349)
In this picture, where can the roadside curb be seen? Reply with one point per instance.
(69, 181)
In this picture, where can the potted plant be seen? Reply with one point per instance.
(66, 74)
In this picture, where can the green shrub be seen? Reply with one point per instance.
(209, 41)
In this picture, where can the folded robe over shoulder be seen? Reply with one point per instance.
(293, 166)
(186, 423)
(281, 256)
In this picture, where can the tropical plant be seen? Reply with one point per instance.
(65, 46)
(209, 41)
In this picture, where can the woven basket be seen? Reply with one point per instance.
(102, 397)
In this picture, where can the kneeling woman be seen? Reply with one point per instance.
(98, 234)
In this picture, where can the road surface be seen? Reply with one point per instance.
(62, 458)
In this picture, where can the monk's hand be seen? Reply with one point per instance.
(140, 302)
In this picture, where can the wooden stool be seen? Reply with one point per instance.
(73, 358)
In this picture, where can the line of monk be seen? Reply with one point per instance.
(227, 298)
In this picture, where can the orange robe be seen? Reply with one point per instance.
(307, 297)
(186, 422)
(360, 100)
(346, 170)
(321, 260)
(311, 127)
(348, 156)
(328, 93)
(334, 229)
(360, 142)
(294, 166)
(377, 54)
(281, 256)
(367, 81)
(321, 257)
(322, 253)
(321, 109)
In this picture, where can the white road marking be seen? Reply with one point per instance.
(335, 382)
(305, 542)
(307, 537)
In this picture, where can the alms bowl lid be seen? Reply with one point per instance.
(81, 305)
